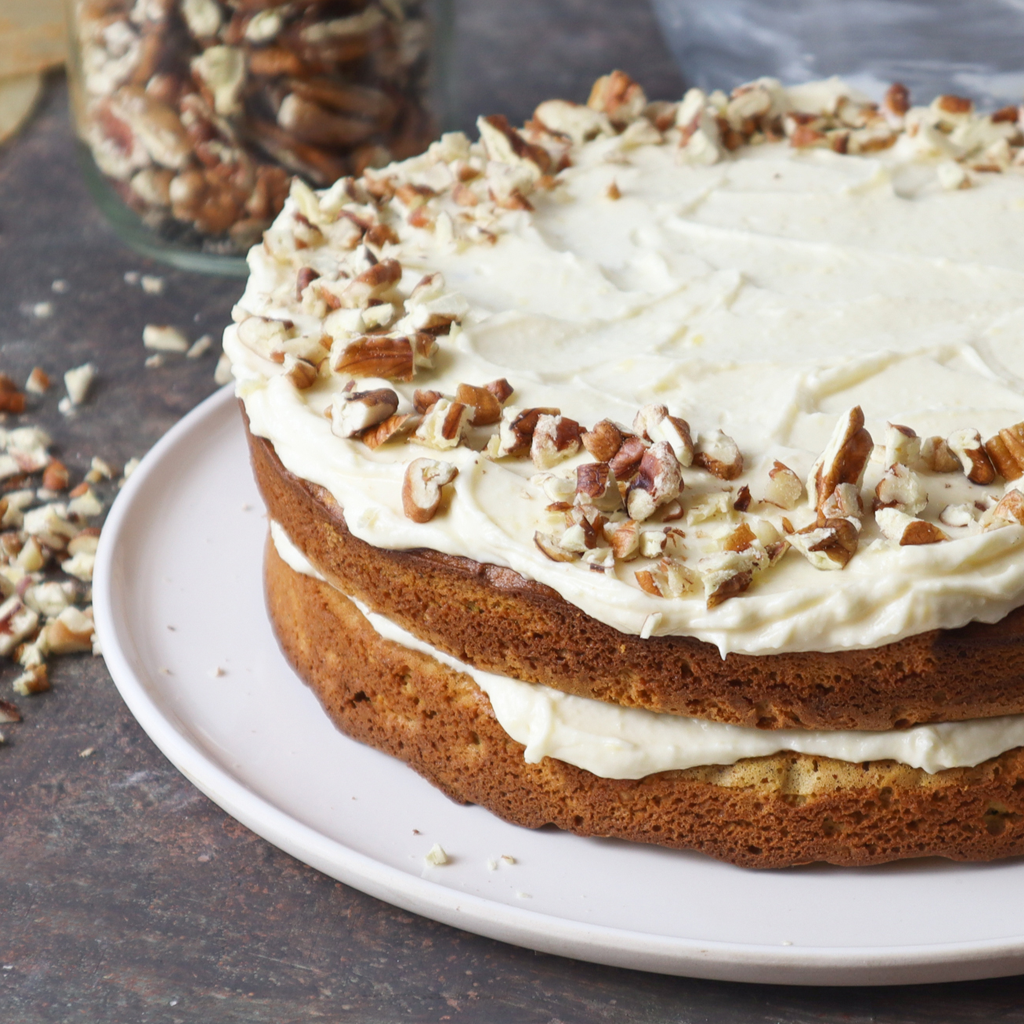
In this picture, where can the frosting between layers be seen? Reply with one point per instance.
(628, 743)
(762, 295)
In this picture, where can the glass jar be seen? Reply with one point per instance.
(193, 114)
(930, 46)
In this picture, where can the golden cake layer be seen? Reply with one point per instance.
(496, 620)
(761, 812)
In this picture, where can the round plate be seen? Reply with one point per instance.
(179, 609)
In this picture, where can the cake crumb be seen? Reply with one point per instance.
(492, 864)
(507, 858)
(60, 286)
(154, 362)
(131, 277)
(164, 338)
(42, 310)
(436, 856)
(217, 672)
(523, 896)
(151, 284)
(88, 752)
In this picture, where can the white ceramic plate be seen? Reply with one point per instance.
(178, 598)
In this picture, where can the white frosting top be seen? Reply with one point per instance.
(628, 743)
(763, 294)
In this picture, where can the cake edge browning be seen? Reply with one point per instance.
(497, 620)
(766, 812)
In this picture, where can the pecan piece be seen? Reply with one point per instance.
(369, 356)
(937, 456)
(844, 458)
(967, 447)
(486, 407)
(355, 411)
(897, 99)
(1006, 450)
(626, 461)
(603, 441)
(654, 423)
(903, 529)
(421, 487)
(551, 546)
(1010, 507)
(424, 401)
(784, 487)
(554, 438)
(444, 425)
(827, 544)
(658, 480)
(618, 96)
(720, 456)
(393, 427)
(901, 488)
(902, 445)
(505, 144)
(515, 432)
(595, 482)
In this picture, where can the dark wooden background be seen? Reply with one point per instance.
(125, 895)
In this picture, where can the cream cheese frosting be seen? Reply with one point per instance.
(629, 743)
(762, 295)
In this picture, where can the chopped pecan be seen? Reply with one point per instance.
(55, 476)
(658, 480)
(596, 483)
(423, 401)
(897, 99)
(1006, 450)
(958, 515)
(784, 487)
(654, 423)
(903, 529)
(626, 461)
(720, 455)
(421, 487)
(1010, 507)
(444, 425)
(380, 235)
(967, 447)
(844, 458)
(603, 441)
(937, 456)
(352, 412)
(624, 539)
(375, 356)
(554, 438)
(742, 502)
(618, 96)
(305, 277)
(901, 488)
(504, 143)
(669, 579)
(902, 445)
(844, 503)
(515, 432)
(11, 399)
(486, 407)
(549, 544)
(727, 574)
(828, 543)
(392, 428)
(301, 373)
(501, 389)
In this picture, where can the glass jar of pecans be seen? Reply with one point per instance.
(193, 114)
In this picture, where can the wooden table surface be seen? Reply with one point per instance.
(126, 895)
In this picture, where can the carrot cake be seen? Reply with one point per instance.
(653, 470)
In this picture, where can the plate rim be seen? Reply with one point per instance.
(603, 944)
